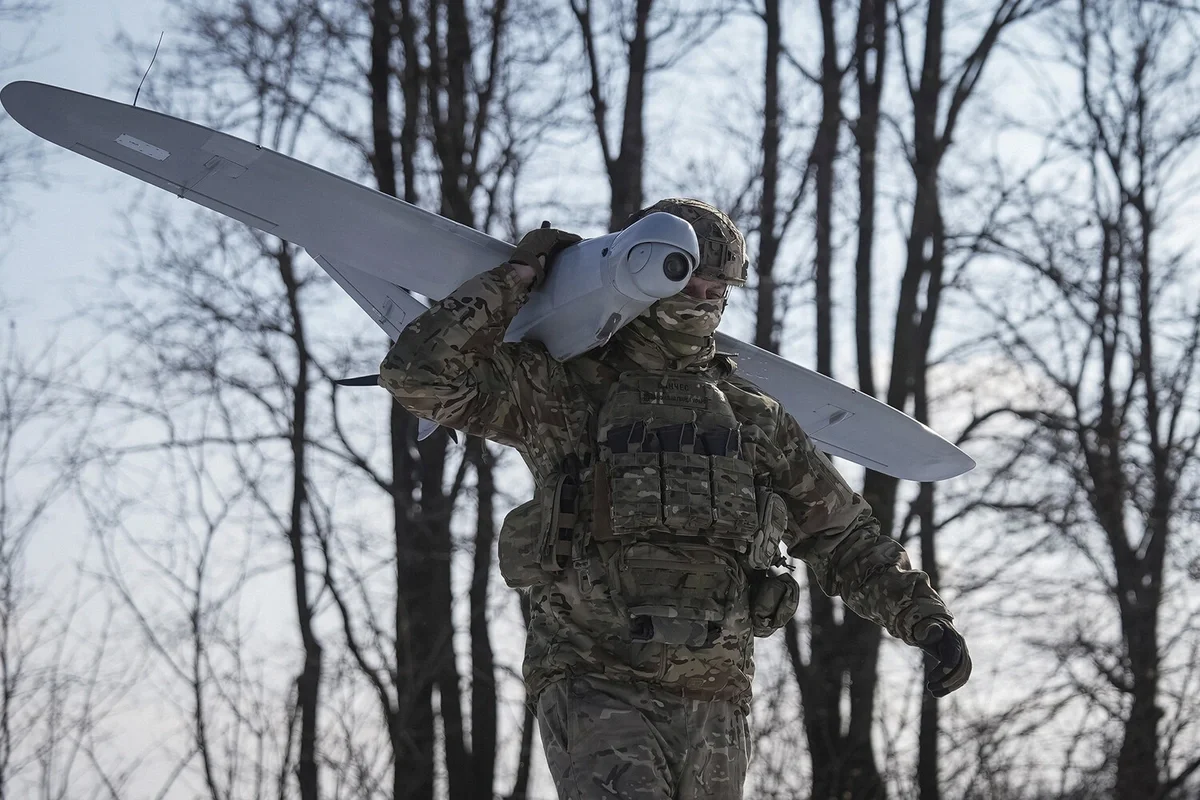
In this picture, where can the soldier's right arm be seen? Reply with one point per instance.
(452, 366)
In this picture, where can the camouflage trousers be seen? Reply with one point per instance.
(624, 742)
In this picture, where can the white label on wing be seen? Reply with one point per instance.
(157, 153)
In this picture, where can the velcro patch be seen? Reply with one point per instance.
(676, 394)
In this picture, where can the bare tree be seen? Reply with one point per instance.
(1109, 329)
(20, 157)
(838, 675)
(273, 61)
(642, 38)
(769, 235)
(33, 479)
(458, 107)
(843, 759)
(209, 412)
(623, 164)
(448, 76)
(442, 74)
(921, 285)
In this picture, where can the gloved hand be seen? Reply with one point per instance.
(537, 247)
(947, 662)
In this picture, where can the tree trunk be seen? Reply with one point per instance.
(914, 331)
(844, 766)
(410, 89)
(824, 157)
(410, 722)
(869, 67)
(446, 74)
(1141, 592)
(308, 685)
(520, 789)
(765, 334)
(1137, 762)
(434, 524)
(928, 782)
(626, 173)
(483, 668)
(411, 727)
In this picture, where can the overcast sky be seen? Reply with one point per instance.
(68, 226)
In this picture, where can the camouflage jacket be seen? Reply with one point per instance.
(452, 366)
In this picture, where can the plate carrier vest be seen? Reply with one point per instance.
(677, 515)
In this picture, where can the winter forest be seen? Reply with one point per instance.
(223, 576)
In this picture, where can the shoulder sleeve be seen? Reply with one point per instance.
(835, 532)
(451, 365)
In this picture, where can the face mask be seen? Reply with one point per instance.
(674, 333)
(683, 314)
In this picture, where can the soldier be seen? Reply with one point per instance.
(665, 484)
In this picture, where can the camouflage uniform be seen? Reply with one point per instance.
(617, 703)
(613, 740)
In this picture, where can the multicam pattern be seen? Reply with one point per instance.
(686, 315)
(451, 365)
(613, 740)
(675, 333)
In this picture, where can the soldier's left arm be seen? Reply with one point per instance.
(833, 530)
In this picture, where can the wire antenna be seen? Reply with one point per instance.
(143, 80)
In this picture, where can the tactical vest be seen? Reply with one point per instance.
(691, 518)
(670, 466)
(680, 518)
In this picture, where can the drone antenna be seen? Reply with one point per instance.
(143, 80)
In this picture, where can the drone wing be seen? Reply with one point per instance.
(380, 249)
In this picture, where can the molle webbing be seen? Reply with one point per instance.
(678, 594)
(561, 531)
(670, 450)
(684, 437)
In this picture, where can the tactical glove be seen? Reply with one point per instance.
(537, 247)
(774, 599)
(947, 662)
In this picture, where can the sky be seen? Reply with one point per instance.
(71, 224)
(68, 227)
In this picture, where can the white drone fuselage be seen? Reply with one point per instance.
(595, 287)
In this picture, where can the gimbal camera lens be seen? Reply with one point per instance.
(675, 266)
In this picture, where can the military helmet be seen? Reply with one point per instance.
(722, 246)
